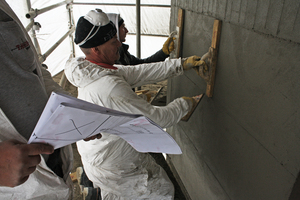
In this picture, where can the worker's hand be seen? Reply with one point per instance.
(198, 97)
(191, 101)
(19, 160)
(168, 46)
(208, 55)
(192, 62)
(203, 70)
(98, 136)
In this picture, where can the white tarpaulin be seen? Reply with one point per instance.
(55, 23)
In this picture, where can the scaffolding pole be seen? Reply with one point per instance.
(30, 25)
(63, 80)
(35, 41)
(123, 4)
(138, 28)
(35, 12)
(43, 57)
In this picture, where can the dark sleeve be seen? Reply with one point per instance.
(157, 57)
(128, 59)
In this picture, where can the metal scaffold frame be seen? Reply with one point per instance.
(34, 12)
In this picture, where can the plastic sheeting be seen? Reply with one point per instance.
(55, 23)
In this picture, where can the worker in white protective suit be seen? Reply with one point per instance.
(126, 58)
(110, 162)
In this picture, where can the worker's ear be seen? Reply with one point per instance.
(95, 50)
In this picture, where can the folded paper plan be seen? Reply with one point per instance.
(66, 120)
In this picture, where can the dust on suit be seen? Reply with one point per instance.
(110, 162)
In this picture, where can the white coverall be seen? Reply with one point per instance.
(110, 162)
(43, 183)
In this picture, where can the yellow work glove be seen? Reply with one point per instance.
(192, 62)
(191, 101)
(208, 56)
(168, 46)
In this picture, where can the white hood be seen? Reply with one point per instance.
(115, 19)
(80, 72)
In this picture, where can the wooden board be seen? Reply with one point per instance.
(215, 45)
(179, 30)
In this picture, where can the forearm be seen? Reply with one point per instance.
(165, 116)
(139, 75)
(157, 57)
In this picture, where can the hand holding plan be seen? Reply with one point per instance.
(98, 136)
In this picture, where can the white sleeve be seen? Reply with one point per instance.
(124, 99)
(148, 73)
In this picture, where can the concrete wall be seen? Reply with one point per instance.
(244, 142)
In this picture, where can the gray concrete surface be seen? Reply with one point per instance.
(244, 142)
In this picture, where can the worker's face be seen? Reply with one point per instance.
(122, 33)
(109, 51)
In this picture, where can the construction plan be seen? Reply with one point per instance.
(66, 120)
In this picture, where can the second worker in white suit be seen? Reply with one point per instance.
(110, 162)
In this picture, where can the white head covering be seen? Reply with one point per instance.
(115, 18)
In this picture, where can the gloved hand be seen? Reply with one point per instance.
(203, 70)
(207, 56)
(168, 46)
(191, 101)
(192, 62)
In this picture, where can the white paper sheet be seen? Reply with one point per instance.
(66, 120)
